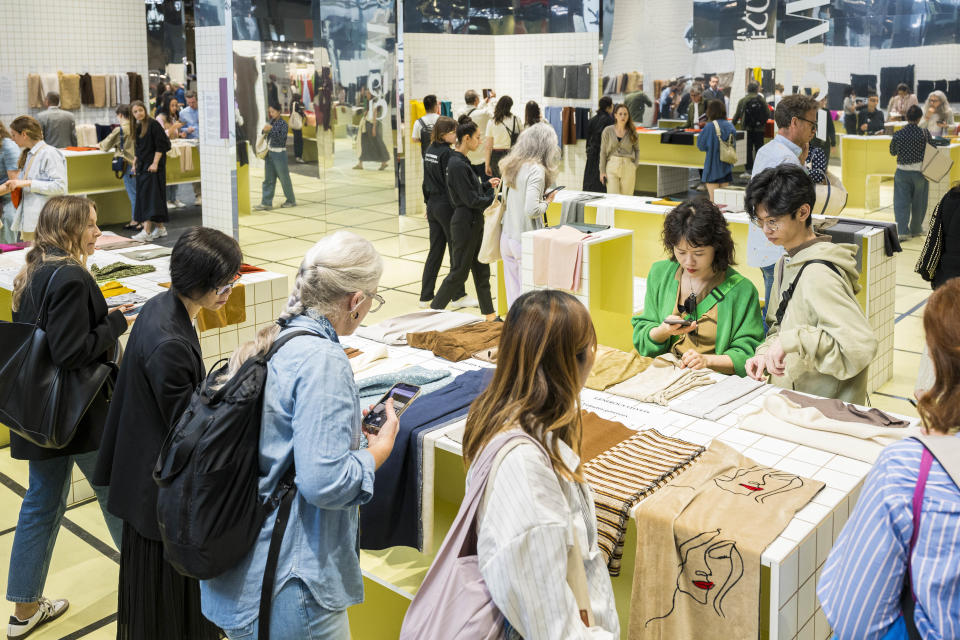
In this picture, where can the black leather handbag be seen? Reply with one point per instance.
(40, 401)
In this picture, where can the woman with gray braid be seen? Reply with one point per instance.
(311, 417)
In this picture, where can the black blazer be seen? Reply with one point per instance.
(949, 266)
(79, 332)
(161, 367)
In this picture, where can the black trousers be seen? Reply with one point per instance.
(439, 215)
(466, 231)
(591, 174)
(495, 157)
(754, 142)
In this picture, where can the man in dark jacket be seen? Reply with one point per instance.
(870, 120)
(595, 127)
(751, 118)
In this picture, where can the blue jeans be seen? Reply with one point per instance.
(275, 166)
(910, 191)
(39, 523)
(297, 616)
(130, 184)
(7, 235)
(768, 273)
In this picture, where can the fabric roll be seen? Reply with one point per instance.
(558, 257)
(394, 330)
(459, 343)
(234, 312)
(662, 381)
(49, 82)
(98, 85)
(86, 89)
(626, 474)
(69, 90)
(840, 410)
(699, 542)
(613, 366)
(719, 399)
(371, 389)
(34, 91)
(599, 435)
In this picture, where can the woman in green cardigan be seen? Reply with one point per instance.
(697, 306)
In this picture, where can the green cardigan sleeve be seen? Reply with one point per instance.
(745, 329)
(659, 294)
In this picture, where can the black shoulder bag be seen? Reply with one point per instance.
(39, 400)
(788, 294)
(119, 163)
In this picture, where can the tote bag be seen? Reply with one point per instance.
(937, 163)
(261, 148)
(831, 197)
(728, 149)
(492, 228)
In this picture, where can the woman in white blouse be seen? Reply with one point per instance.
(937, 115)
(538, 503)
(43, 174)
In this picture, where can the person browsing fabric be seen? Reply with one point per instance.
(875, 564)
(538, 503)
(42, 174)
(716, 173)
(123, 144)
(275, 164)
(311, 419)
(9, 157)
(698, 283)
(529, 169)
(595, 127)
(619, 148)
(910, 187)
(150, 166)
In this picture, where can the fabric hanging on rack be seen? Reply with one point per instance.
(86, 89)
(554, 115)
(34, 91)
(582, 116)
(98, 85)
(49, 82)
(634, 82)
(69, 90)
(446, 108)
(626, 474)
(123, 89)
(924, 89)
(136, 85)
(612, 366)
(699, 541)
(569, 127)
(662, 381)
(110, 85)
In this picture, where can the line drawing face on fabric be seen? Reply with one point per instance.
(709, 568)
(759, 482)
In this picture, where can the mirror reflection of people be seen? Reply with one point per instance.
(863, 578)
(870, 120)
(619, 150)
(275, 165)
(150, 167)
(726, 326)
(372, 147)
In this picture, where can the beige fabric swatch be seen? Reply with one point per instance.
(613, 366)
(662, 381)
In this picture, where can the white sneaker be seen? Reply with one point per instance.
(143, 236)
(300, 160)
(424, 304)
(161, 232)
(196, 201)
(49, 610)
(171, 204)
(178, 204)
(465, 301)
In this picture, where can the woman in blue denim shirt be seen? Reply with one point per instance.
(311, 417)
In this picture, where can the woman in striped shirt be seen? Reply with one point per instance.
(863, 578)
(539, 504)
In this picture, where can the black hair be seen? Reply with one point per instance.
(782, 190)
(872, 93)
(502, 110)
(275, 106)
(914, 113)
(123, 110)
(849, 91)
(442, 127)
(203, 260)
(465, 127)
(531, 113)
(701, 224)
(903, 86)
(753, 87)
(793, 106)
(52, 98)
(605, 103)
(430, 103)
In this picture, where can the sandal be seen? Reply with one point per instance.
(133, 225)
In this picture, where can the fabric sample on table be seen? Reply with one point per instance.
(571, 209)
(69, 90)
(149, 254)
(351, 352)
(699, 541)
(558, 257)
(372, 388)
(849, 233)
(114, 288)
(249, 268)
(780, 418)
(719, 399)
(113, 241)
(613, 366)
(368, 359)
(118, 270)
(393, 518)
(459, 343)
(17, 246)
(624, 475)
(234, 312)
(662, 381)
(487, 355)
(599, 435)
(125, 298)
(840, 410)
(394, 331)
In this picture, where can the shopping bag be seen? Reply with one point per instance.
(492, 228)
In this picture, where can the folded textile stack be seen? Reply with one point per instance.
(719, 399)
(394, 330)
(662, 381)
(613, 366)
(459, 343)
(558, 257)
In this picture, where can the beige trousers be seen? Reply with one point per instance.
(621, 175)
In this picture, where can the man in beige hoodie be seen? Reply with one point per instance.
(818, 340)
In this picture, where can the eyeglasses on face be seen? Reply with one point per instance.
(228, 287)
(378, 300)
(768, 223)
(810, 122)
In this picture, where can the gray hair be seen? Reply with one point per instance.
(537, 144)
(190, 94)
(943, 110)
(339, 265)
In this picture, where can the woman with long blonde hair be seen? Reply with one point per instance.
(80, 330)
(538, 498)
(42, 173)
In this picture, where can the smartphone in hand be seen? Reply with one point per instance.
(678, 322)
(555, 189)
(403, 394)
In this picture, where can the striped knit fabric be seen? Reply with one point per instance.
(627, 473)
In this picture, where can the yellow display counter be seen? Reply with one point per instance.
(866, 160)
(309, 139)
(89, 174)
(664, 167)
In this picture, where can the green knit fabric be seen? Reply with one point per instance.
(739, 322)
(119, 270)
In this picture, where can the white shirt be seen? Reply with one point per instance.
(760, 251)
(46, 168)
(480, 114)
(500, 133)
(522, 546)
(430, 119)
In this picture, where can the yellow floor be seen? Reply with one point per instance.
(364, 202)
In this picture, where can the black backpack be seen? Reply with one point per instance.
(755, 114)
(208, 504)
(426, 134)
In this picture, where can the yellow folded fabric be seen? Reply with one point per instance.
(234, 312)
(666, 202)
(114, 288)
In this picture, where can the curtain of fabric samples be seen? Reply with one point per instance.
(136, 85)
(569, 126)
(459, 343)
(863, 83)
(98, 85)
(554, 115)
(86, 89)
(953, 91)
(34, 91)
(699, 544)
(112, 90)
(613, 366)
(553, 81)
(924, 88)
(392, 517)
(940, 85)
(599, 435)
(582, 117)
(49, 82)
(234, 312)
(662, 381)
(123, 89)
(634, 82)
(69, 90)
(626, 474)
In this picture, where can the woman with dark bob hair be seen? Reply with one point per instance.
(697, 306)
(161, 367)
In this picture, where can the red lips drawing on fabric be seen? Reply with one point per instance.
(751, 487)
(700, 584)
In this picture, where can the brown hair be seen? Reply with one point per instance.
(139, 130)
(60, 228)
(631, 128)
(26, 126)
(442, 127)
(3, 131)
(716, 110)
(940, 406)
(547, 337)
(793, 106)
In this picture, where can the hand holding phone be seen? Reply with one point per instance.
(402, 395)
(552, 191)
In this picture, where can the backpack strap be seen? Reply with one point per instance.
(788, 294)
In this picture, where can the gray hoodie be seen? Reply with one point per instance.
(828, 341)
